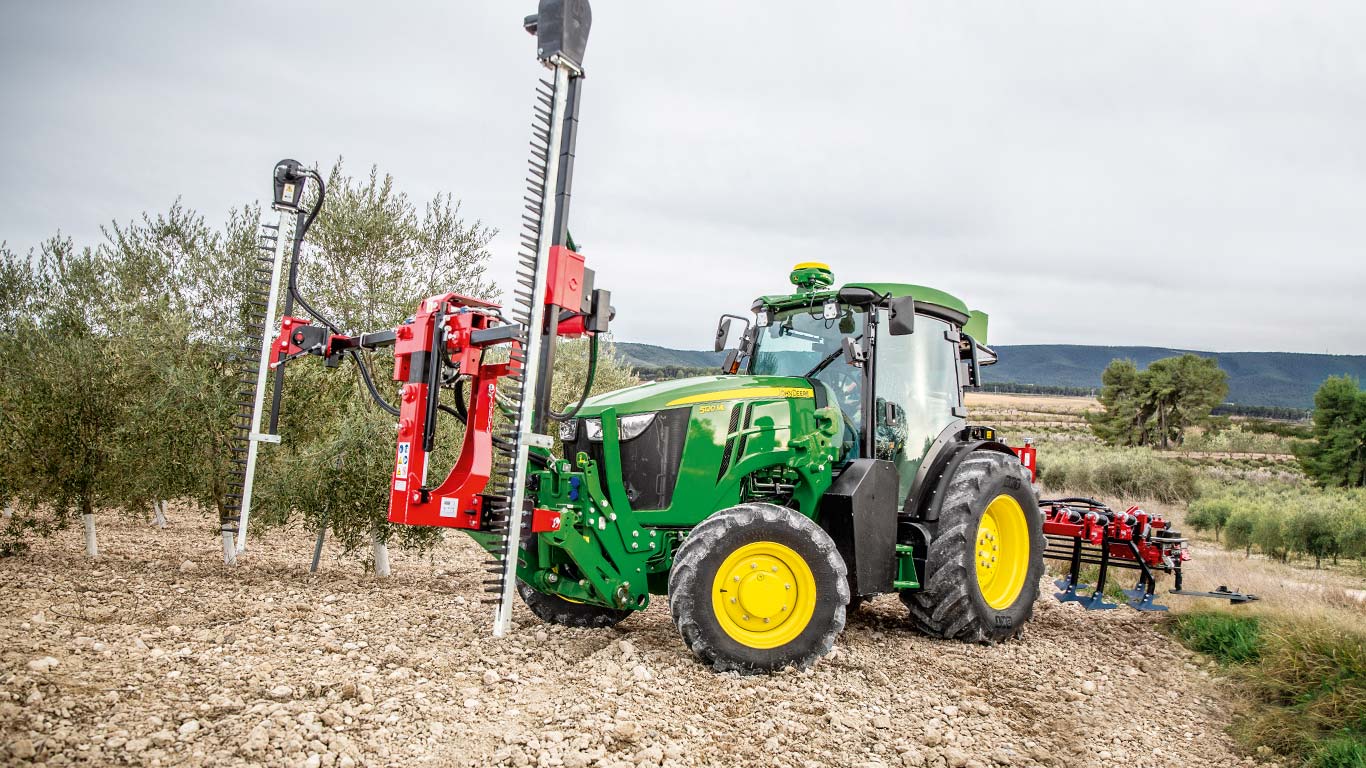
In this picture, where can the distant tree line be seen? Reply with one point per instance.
(1017, 388)
(1278, 412)
(671, 372)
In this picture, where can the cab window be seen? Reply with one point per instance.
(797, 341)
(917, 392)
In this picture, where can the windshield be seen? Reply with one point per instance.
(796, 341)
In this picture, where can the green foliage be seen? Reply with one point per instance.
(671, 372)
(64, 392)
(1285, 519)
(1306, 682)
(1016, 388)
(1337, 455)
(1344, 751)
(1226, 638)
(1236, 438)
(1157, 405)
(1128, 473)
(1210, 515)
(118, 364)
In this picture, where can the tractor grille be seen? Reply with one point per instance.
(649, 461)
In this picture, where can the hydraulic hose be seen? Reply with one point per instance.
(319, 316)
(587, 385)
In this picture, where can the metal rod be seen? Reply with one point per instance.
(318, 546)
(285, 240)
(502, 617)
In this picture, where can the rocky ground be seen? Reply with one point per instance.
(155, 654)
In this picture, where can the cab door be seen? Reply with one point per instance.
(917, 394)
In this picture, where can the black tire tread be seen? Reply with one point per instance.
(713, 532)
(943, 606)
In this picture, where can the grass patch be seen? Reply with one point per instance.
(1224, 637)
(1307, 682)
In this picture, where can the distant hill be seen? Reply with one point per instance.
(1284, 379)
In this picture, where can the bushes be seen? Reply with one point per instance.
(1285, 519)
(1210, 515)
(1308, 682)
(1129, 473)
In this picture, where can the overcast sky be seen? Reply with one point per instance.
(1184, 174)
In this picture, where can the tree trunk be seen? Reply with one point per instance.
(9, 509)
(159, 514)
(92, 547)
(381, 556)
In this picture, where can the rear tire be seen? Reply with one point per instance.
(758, 587)
(554, 609)
(983, 566)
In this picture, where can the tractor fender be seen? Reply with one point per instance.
(923, 504)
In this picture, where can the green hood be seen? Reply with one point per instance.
(659, 395)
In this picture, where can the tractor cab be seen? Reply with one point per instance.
(894, 358)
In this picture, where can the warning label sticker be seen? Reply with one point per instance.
(449, 506)
(402, 469)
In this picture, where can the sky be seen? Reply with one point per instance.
(1182, 174)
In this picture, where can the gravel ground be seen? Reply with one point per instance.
(155, 654)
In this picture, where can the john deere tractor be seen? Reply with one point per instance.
(830, 461)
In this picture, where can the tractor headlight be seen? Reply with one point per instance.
(569, 429)
(631, 426)
(628, 427)
(594, 429)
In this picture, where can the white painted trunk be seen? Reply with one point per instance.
(159, 514)
(9, 509)
(229, 548)
(381, 556)
(92, 548)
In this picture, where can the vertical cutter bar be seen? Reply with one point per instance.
(278, 392)
(502, 617)
(283, 241)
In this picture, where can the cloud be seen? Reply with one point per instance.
(1180, 175)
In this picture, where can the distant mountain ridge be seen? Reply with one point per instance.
(1283, 379)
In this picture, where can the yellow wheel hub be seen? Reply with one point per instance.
(1002, 552)
(764, 595)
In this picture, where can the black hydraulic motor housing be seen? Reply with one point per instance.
(561, 27)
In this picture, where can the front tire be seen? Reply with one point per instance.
(758, 587)
(983, 567)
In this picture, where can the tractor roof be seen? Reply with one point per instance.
(814, 281)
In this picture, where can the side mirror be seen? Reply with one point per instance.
(723, 330)
(901, 316)
(722, 334)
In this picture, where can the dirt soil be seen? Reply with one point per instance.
(155, 654)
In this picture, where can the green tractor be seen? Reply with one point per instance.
(830, 462)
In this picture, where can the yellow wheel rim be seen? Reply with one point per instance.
(764, 595)
(1002, 552)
